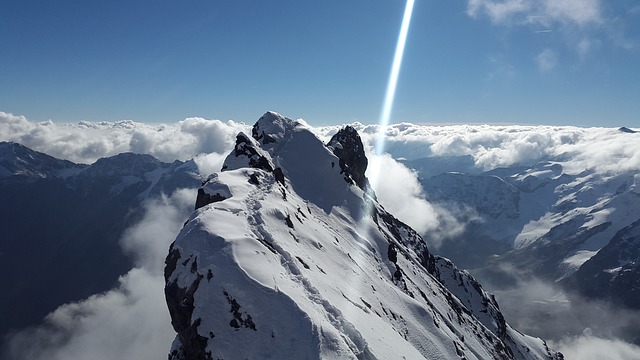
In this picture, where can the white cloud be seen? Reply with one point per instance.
(546, 61)
(581, 23)
(538, 307)
(491, 146)
(604, 149)
(86, 141)
(498, 11)
(399, 191)
(545, 12)
(584, 47)
(148, 240)
(129, 322)
(589, 347)
(580, 12)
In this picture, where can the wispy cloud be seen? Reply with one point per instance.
(128, 322)
(498, 11)
(579, 328)
(589, 347)
(544, 12)
(580, 24)
(546, 61)
(579, 12)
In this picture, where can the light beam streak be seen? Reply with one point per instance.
(365, 223)
(393, 78)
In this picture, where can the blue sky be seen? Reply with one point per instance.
(564, 62)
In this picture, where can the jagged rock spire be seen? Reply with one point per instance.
(347, 146)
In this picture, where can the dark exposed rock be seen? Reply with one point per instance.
(279, 175)
(392, 253)
(302, 262)
(205, 199)
(347, 146)
(180, 302)
(238, 321)
(268, 128)
(245, 147)
(253, 179)
(288, 221)
(170, 262)
(212, 191)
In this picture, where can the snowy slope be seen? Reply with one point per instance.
(289, 255)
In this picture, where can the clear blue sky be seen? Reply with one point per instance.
(565, 62)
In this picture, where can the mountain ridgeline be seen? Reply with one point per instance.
(288, 254)
(62, 224)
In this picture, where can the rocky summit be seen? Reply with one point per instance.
(288, 255)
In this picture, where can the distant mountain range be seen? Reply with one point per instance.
(577, 231)
(549, 223)
(61, 225)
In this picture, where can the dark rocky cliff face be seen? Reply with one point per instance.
(613, 273)
(347, 146)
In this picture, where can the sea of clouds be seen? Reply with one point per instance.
(132, 321)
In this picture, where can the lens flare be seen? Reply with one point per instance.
(393, 78)
(366, 223)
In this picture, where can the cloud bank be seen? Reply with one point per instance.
(606, 150)
(85, 142)
(491, 146)
(129, 322)
(580, 328)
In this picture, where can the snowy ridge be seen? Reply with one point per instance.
(19, 160)
(288, 255)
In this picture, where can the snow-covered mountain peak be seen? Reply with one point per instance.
(19, 160)
(273, 128)
(124, 164)
(293, 260)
